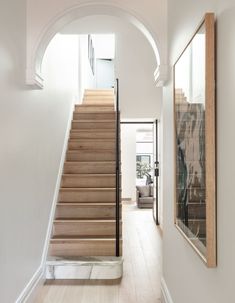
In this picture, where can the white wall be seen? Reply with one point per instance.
(187, 278)
(32, 130)
(104, 45)
(45, 13)
(103, 76)
(128, 160)
(134, 64)
(86, 77)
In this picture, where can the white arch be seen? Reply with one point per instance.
(33, 74)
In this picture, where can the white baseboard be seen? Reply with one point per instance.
(166, 297)
(38, 278)
(28, 292)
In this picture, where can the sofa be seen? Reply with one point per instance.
(144, 196)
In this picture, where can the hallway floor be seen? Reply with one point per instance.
(142, 268)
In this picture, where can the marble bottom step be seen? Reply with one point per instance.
(85, 268)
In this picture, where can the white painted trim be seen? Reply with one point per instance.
(34, 79)
(161, 75)
(35, 53)
(27, 293)
(166, 296)
(38, 278)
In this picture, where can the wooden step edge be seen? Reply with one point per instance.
(94, 121)
(83, 238)
(95, 140)
(99, 89)
(95, 105)
(99, 92)
(88, 162)
(101, 130)
(85, 204)
(95, 112)
(102, 98)
(86, 189)
(89, 175)
(85, 220)
(84, 174)
(94, 149)
(97, 100)
(99, 95)
(111, 150)
(88, 203)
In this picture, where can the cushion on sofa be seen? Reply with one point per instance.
(144, 190)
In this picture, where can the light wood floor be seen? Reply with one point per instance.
(142, 269)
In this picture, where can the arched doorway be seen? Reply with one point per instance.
(36, 49)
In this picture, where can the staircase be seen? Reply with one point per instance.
(85, 219)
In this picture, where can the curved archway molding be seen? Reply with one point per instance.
(35, 53)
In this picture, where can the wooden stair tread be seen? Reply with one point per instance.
(101, 130)
(88, 175)
(92, 133)
(95, 167)
(79, 238)
(99, 90)
(105, 104)
(84, 220)
(63, 220)
(90, 188)
(86, 204)
(92, 121)
(85, 162)
(97, 112)
(89, 150)
(92, 140)
(101, 109)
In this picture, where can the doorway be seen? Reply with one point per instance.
(140, 160)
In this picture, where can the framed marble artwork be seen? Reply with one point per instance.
(195, 142)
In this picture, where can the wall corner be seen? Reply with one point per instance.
(34, 79)
(161, 75)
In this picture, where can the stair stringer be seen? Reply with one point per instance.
(83, 267)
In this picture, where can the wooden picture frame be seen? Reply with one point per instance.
(195, 142)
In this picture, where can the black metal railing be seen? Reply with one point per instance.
(117, 170)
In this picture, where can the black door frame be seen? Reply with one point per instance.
(156, 161)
